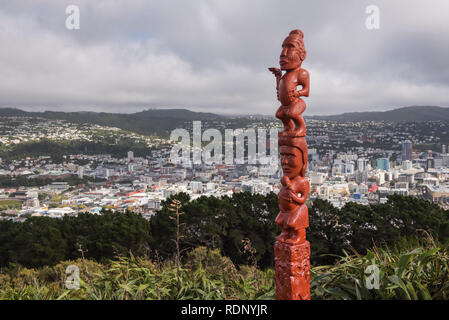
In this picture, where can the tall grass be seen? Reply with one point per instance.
(410, 270)
(128, 278)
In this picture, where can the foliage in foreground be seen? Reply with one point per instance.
(204, 275)
(413, 270)
(410, 271)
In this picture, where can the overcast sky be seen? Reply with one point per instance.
(212, 55)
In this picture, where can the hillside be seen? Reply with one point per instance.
(161, 122)
(147, 122)
(404, 114)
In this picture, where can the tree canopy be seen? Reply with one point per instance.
(226, 224)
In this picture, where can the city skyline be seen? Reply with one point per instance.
(371, 161)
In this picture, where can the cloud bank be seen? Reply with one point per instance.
(212, 56)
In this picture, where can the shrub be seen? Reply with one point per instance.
(411, 272)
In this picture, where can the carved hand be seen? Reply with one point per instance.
(277, 72)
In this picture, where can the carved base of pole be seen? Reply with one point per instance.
(292, 263)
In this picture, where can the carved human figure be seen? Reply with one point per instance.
(291, 250)
(290, 112)
(293, 215)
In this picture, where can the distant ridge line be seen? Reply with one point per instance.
(161, 122)
(402, 114)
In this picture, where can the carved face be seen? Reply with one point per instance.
(291, 161)
(292, 53)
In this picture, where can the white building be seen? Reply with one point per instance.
(317, 178)
(80, 172)
(361, 164)
(196, 186)
(406, 165)
(60, 212)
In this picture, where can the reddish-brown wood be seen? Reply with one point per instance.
(291, 250)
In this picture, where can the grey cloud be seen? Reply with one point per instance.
(212, 55)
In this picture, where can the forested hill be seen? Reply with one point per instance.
(405, 114)
(149, 122)
(161, 122)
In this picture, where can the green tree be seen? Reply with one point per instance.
(326, 233)
(37, 241)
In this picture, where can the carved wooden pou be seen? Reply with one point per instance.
(291, 250)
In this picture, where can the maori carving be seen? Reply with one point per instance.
(292, 251)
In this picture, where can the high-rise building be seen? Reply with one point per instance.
(406, 150)
(443, 148)
(80, 172)
(430, 163)
(361, 165)
(130, 155)
(383, 164)
(349, 167)
(338, 166)
(361, 177)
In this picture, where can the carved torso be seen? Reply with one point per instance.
(288, 85)
(299, 186)
(285, 200)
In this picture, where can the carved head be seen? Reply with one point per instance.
(293, 156)
(293, 51)
(293, 162)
